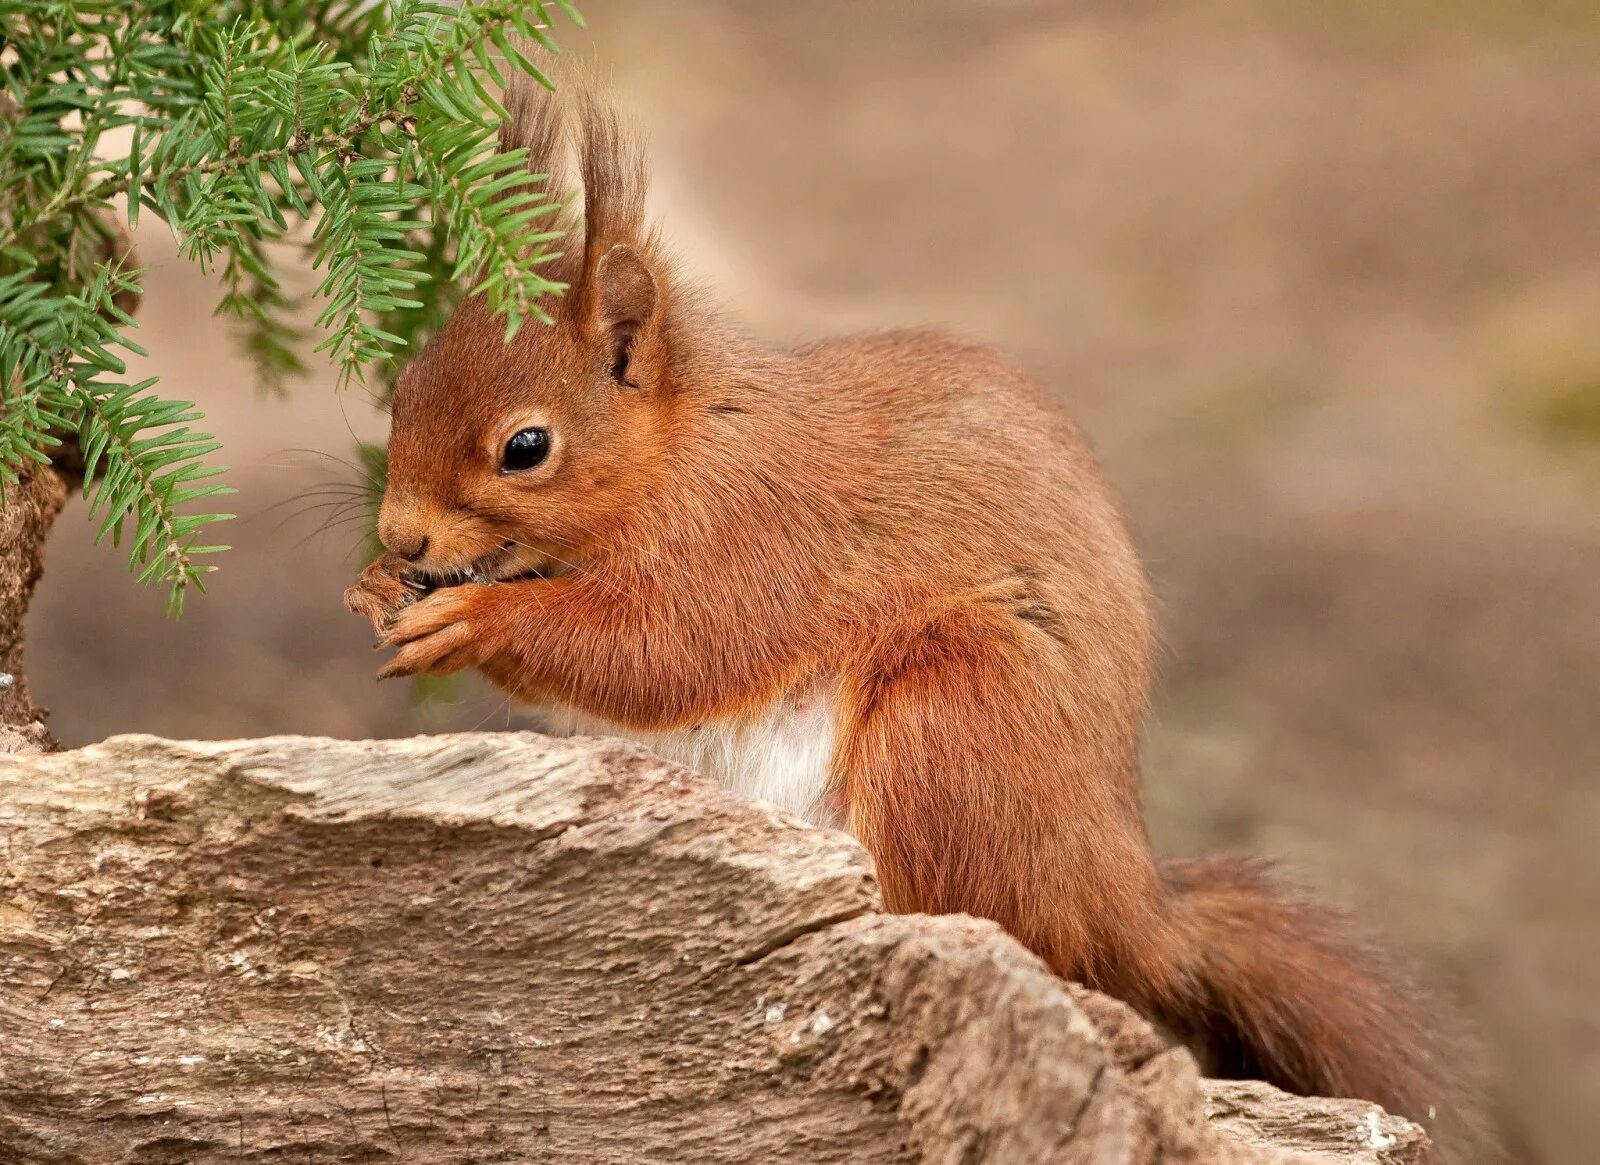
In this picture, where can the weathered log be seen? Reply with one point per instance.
(504, 948)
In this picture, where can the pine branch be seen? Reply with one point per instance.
(141, 460)
(372, 122)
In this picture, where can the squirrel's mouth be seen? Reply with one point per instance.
(512, 562)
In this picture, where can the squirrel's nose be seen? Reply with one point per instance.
(411, 553)
(409, 542)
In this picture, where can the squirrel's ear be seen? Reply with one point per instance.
(628, 301)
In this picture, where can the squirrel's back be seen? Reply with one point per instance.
(969, 471)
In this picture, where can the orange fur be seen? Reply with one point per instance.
(904, 514)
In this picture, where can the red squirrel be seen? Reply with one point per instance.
(877, 581)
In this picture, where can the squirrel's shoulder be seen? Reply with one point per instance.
(915, 347)
(929, 374)
(906, 368)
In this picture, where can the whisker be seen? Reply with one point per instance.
(341, 513)
(334, 523)
(315, 500)
(505, 707)
(330, 490)
(339, 505)
(353, 466)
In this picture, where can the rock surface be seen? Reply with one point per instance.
(504, 948)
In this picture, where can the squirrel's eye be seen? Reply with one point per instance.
(528, 448)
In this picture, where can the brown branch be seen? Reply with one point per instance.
(28, 509)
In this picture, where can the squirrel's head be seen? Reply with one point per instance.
(514, 458)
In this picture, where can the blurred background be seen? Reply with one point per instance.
(1322, 283)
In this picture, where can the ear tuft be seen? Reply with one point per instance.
(535, 120)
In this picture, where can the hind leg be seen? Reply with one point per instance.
(987, 779)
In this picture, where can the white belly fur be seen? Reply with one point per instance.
(780, 756)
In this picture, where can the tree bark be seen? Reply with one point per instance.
(27, 512)
(506, 948)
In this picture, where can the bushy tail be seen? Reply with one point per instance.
(1279, 989)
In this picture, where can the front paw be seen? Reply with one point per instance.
(381, 592)
(446, 631)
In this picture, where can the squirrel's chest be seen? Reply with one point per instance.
(781, 756)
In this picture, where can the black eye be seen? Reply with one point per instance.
(525, 450)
